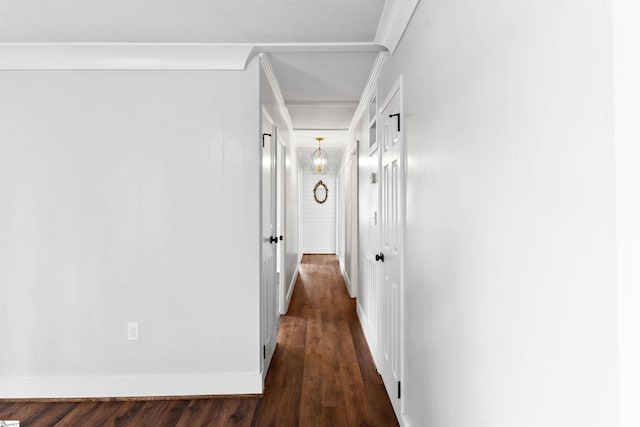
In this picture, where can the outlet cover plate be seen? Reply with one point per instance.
(133, 331)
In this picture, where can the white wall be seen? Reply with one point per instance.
(318, 220)
(626, 54)
(510, 302)
(129, 196)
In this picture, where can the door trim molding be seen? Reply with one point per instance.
(372, 81)
(398, 89)
(265, 63)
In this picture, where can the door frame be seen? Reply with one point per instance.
(397, 88)
(267, 125)
(281, 215)
(354, 194)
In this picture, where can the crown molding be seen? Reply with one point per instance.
(394, 22)
(153, 56)
(265, 63)
(124, 56)
(318, 47)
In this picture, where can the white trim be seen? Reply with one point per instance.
(345, 276)
(275, 87)
(267, 116)
(347, 282)
(368, 90)
(397, 87)
(363, 323)
(368, 335)
(318, 47)
(125, 56)
(355, 232)
(130, 385)
(394, 21)
(290, 292)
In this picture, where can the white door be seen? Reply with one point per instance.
(282, 221)
(391, 216)
(269, 317)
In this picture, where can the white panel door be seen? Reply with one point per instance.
(269, 317)
(281, 213)
(391, 216)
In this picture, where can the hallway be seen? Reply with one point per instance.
(322, 374)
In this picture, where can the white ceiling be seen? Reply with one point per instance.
(329, 76)
(322, 90)
(190, 21)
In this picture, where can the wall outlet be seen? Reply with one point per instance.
(133, 331)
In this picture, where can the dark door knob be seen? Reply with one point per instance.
(273, 239)
(380, 257)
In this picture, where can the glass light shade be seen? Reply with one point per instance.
(319, 160)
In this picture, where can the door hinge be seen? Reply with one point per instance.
(263, 135)
(398, 389)
(264, 351)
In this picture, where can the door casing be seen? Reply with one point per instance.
(391, 227)
(269, 312)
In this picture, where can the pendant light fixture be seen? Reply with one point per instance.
(319, 159)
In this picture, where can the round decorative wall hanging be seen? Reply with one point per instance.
(320, 192)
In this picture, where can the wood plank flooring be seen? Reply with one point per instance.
(322, 374)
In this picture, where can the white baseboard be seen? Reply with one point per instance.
(130, 385)
(347, 281)
(290, 292)
(364, 324)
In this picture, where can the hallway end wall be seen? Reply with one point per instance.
(510, 281)
(318, 219)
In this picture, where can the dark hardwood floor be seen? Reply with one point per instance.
(322, 374)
